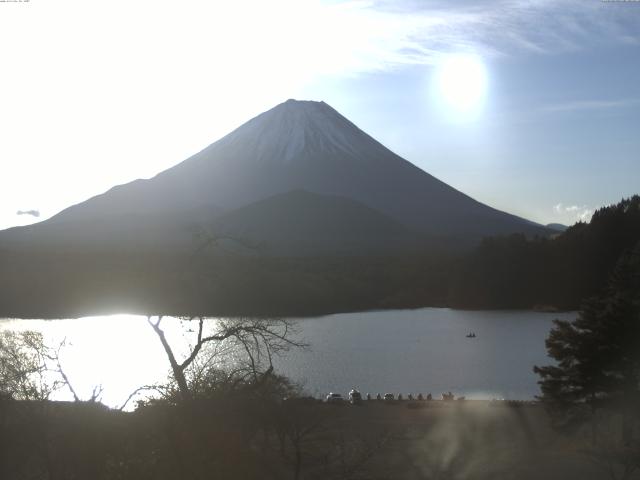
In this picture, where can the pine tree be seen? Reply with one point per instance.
(598, 353)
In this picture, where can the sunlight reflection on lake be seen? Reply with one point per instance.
(423, 350)
(118, 352)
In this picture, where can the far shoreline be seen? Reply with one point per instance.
(87, 315)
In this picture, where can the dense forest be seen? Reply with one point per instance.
(72, 285)
(516, 272)
(502, 272)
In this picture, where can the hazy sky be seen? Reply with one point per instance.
(542, 120)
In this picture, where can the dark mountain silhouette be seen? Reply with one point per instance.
(301, 223)
(298, 145)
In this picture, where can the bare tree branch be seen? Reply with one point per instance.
(258, 339)
(137, 391)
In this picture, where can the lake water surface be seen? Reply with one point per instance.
(398, 351)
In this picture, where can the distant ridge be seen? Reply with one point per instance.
(558, 227)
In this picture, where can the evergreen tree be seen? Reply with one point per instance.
(598, 353)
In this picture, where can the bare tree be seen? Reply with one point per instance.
(256, 341)
(32, 370)
(23, 366)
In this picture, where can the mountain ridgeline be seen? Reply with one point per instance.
(296, 146)
(296, 212)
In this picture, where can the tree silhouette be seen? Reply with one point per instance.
(598, 353)
(519, 272)
(258, 339)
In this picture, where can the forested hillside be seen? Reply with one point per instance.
(503, 272)
(516, 272)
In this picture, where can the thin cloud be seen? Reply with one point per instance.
(581, 105)
(500, 28)
(582, 213)
(32, 213)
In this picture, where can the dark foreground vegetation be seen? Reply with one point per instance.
(502, 272)
(250, 434)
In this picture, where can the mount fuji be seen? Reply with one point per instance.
(300, 178)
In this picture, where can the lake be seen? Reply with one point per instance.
(397, 351)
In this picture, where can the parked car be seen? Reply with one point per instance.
(355, 397)
(335, 398)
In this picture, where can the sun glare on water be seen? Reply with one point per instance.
(461, 85)
(119, 353)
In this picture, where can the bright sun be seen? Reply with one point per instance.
(462, 82)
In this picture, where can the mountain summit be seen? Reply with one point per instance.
(287, 132)
(297, 145)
